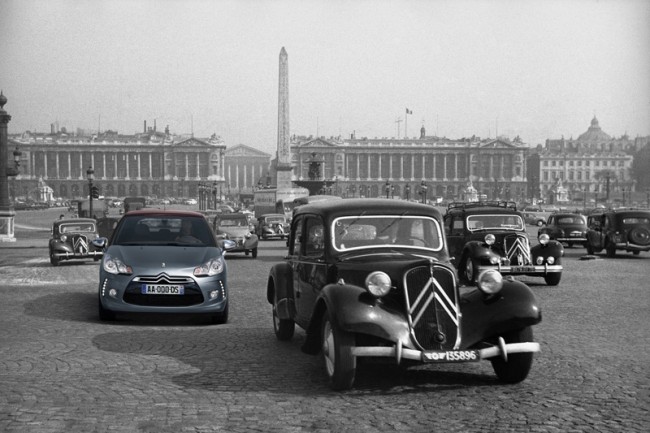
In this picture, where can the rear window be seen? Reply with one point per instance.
(164, 230)
(635, 220)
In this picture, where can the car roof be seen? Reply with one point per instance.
(272, 215)
(75, 220)
(164, 212)
(369, 206)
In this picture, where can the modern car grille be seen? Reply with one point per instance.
(517, 249)
(192, 295)
(433, 309)
(80, 244)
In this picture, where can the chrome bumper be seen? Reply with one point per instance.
(398, 352)
(523, 270)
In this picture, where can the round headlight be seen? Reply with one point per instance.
(543, 239)
(378, 283)
(63, 238)
(539, 260)
(550, 260)
(490, 281)
(489, 239)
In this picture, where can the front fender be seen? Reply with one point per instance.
(551, 249)
(513, 308)
(62, 247)
(280, 287)
(355, 310)
(251, 242)
(479, 251)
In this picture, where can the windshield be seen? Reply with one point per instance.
(164, 230)
(495, 222)
(567, 220)
(233, 222)
(390, 231)
(77, 227)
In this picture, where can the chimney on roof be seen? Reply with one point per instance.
(145, 127)
(51, 128)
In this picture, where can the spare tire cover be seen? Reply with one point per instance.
(639, 236)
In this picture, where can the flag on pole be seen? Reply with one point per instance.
(409, 111)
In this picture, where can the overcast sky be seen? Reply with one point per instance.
(537, 69)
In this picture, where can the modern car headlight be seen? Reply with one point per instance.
(543, 239)
(211, 267)
(378, 284)
(490, 281)
(113, 265)
(490, 239)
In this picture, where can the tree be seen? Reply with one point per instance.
(608, 176)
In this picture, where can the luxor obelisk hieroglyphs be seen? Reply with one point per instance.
(283, 161)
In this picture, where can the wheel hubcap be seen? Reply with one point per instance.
(328, 348)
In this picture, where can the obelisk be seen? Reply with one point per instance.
(283, 160)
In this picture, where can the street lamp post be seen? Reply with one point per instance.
(215, 187)
(407, 190)
(90, 175)
(7, 212)
(423, 191)
(387, 188)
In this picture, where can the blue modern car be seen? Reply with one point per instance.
(163, 261)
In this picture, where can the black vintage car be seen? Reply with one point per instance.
(619, 230)
(568, 228)
(72, 239)
(492, 235)
(372, 278)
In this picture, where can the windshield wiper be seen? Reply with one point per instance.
(346, 227)
(392, 223)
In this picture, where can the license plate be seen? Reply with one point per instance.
(162, 289)
(522, 268)
(451, 356)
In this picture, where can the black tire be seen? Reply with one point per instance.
(636, 253)
(469, 270)
(553, 279)
(105, 315)
(518, 365)
(340, 364)
(610, 249)
(590, 249)
(53, 260)
(284, 328)
(639, 235)
(254, 253)
(221, 318)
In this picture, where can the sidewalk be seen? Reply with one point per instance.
(28, 239)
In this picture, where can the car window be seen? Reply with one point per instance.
(315, 241)
(636, 220)
(169, 230)
(295, 247)
(385, 231)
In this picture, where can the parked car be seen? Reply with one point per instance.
(568, 228)
(492, 235)
(373, 278)
(235, 226)
(533, 219)
(163, 261)
(106, 225)
(272, 225)
(72, 239)
(618, 230)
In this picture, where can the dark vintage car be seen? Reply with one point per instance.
(72, 239)
(568, 228)
(372, 278)
(106, 225)
(272, 225)
(235, 226)
(492, 235)
(163, 261)
(618, 230)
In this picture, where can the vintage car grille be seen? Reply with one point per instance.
(517, 249)
(192, 296)
(432, 306)
(80, 244)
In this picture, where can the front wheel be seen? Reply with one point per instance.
(553, 279)
(590, 249)
(610, 249)
(284, 328)
(53, 260)
(518, 365)
(470, 270)
(254, 253)
(340, 363)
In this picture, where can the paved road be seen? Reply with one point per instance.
(63, 370)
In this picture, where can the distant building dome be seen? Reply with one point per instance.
(594, 133)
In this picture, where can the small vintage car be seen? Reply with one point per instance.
(163, 261)
(534, 219)
(492, 235)
(235, 226)
(618, 230)
(272, 225)
(372, 278)
(72, 239)
(568, 228)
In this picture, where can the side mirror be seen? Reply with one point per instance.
(228, 244)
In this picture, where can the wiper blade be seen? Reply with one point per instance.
(392, 223)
